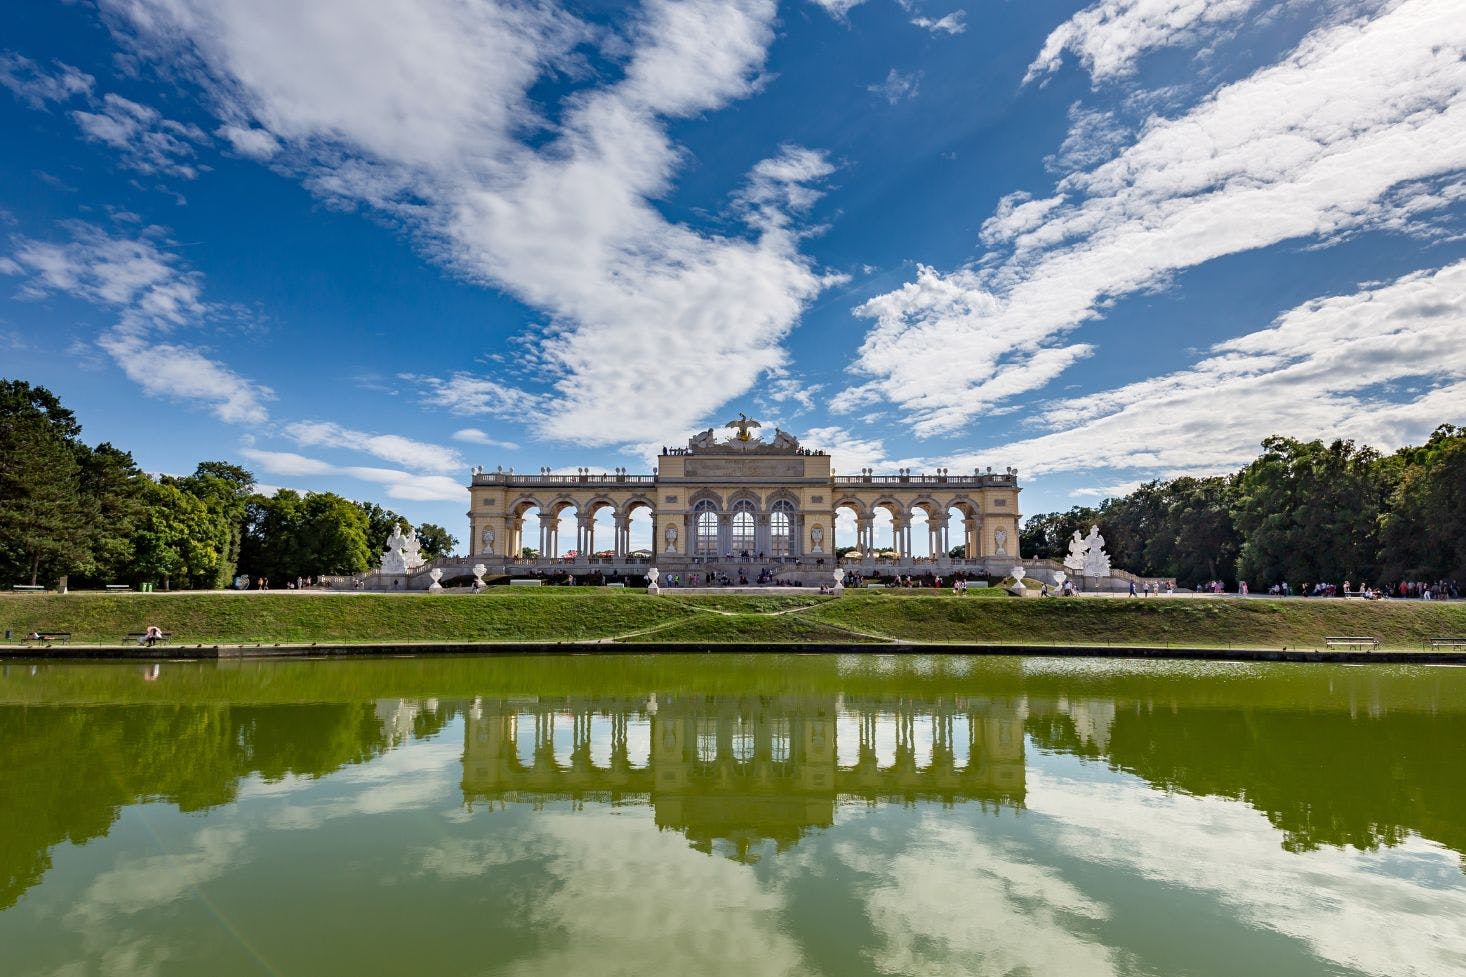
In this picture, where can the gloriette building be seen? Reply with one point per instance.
(741, 499)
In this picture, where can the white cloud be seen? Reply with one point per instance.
(170, 370)
(1343, 366)
(419, 108)
(722, 917)
(837, 8)
(154, 297)
(144, 139)
(35, 86)
(472, 435)
(1307, 148)
(1110, 36)
(249, 141)
(898, 86)
(399, 484)
(952, 23)
(388, 447)
(958, 903)
(1380, 913)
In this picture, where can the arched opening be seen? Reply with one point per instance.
(928, 529)
(524, 540)
(781, 529)
(560, 533)
(742, 538)
(705, 528)
(600, 539)
(921, 535)
(886, 530)
(847, 530)
(962, 530)
(637, 527)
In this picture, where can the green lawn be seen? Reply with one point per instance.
(589, 614)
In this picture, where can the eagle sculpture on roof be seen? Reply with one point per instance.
(743, 423)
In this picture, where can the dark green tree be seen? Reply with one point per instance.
(436, 541)
(1309, 512)
(45, 520)
(1047, 535)
(380, 523)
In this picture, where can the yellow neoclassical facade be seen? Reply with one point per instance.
(743, 498)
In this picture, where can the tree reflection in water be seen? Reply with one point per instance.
(734, 752)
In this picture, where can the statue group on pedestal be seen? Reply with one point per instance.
(404, 552)
(1087, 554)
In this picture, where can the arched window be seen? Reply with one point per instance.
(743, 540)
(705, 514)
(781, 528)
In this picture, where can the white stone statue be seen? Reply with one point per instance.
(1001, 536)
(488, 538)
(478, 576)
(437, 574)
(412, 550)
(783, 439)
(1077, 548)
(703, 439)
(817, 538)
(839, 581)
(393, 560)
(671, 537)
(652, 575)
(1096, 560)
(1017, 573)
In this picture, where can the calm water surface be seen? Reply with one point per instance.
(724, 815)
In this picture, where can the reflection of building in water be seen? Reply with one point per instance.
(739, 769)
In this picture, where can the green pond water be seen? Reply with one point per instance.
(711, 815)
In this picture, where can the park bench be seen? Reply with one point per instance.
(1448, 642)
(32, 587)
(46, 637)
(1357, 641)
(118, 586)
(137, 638)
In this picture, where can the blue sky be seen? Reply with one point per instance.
(361, 245)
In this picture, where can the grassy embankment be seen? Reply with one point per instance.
(594, 614)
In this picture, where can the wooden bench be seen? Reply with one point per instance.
(1357, 641)
(31, 587)
(46, 637)
(118, 586)
(137, 638)
(1448, 642)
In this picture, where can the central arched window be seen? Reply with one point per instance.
(705, 515)
(781, 528)
(743, 540)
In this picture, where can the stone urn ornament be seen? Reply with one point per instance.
(651, 581)
(1018, 590)
(839, 582)
(478, 576)
(437, 574)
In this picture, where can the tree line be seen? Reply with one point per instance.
(1302, 512)
(89, 513)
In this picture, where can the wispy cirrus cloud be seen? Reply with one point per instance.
(1383, 365)
(395, 448)
(154, 296)
(1309, 148)
(1110, 36)
(36, 86)
(421, 110)
(953, 23)
(144, 139)
(398, 484)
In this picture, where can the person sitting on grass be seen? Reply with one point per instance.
(151, 635)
